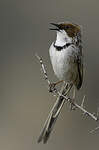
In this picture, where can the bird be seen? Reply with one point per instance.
(66, 55)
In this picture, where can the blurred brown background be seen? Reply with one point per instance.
(24, 99)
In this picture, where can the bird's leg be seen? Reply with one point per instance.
(52, 85)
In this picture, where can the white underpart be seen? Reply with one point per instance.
(63, 61)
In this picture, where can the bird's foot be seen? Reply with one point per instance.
(53, 85)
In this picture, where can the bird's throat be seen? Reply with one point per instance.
(62, 40)
(59, 41)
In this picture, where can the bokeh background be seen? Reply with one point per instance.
(24, 99)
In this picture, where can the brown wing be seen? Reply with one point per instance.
(79, 62)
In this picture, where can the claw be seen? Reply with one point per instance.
(52, 87)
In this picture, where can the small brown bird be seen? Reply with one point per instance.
(67, 62)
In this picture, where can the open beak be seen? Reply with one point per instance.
(56, 25)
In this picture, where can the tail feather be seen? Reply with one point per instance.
(48, 131)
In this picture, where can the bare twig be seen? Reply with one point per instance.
(68, 99)
(43, 68)
(97, 128)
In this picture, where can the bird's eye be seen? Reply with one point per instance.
(67, 27)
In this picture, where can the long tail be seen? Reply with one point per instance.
(53, 115)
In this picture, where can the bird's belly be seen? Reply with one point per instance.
(63, 65)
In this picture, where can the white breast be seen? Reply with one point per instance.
(63, 63)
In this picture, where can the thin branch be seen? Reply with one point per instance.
(97, 128)
(80, 107)
(68, 99)
(43, 69)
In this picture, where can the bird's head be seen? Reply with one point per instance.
(66, 30)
